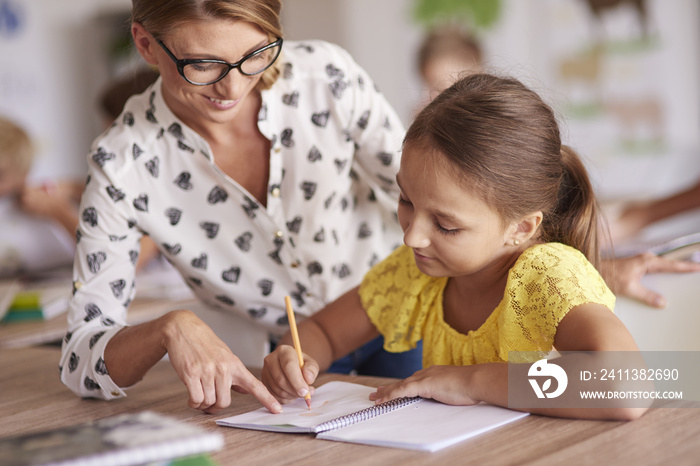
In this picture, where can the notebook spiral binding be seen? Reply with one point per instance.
(367, 413)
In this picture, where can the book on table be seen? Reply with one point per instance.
(342, 411)
(123, 440)
(36, 301)
(8, 289)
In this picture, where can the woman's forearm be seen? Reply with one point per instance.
(136, 349)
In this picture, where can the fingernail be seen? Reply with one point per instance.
(276, 407)
(303, 392)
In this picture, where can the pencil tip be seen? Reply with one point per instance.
(308, 403)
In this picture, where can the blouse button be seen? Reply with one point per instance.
(115, 393)
(295, 264)
(275, 192)
(278, 150)
(279, 234)
(78, 285)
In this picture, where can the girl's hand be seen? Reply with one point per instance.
(283, 376)
(44, 201)
(446, 384)
(208, 367)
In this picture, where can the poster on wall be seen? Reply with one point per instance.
(48, 63)
(627, 77)
(622, 75)
(25, 74)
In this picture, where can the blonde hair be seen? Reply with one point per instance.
(162, 17)
(448, 42)
(16, 148)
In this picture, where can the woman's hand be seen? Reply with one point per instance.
(284, 378)
(208, 367)
(446, 384)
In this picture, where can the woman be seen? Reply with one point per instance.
(258, 174)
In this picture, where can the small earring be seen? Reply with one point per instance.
(516, 242)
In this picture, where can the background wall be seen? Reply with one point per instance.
(57, 56)
(380, 35)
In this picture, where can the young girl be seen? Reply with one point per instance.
(500, 232)
(38, 220)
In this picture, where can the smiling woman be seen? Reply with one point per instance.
(261, 168)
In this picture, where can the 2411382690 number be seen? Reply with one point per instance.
(639, 374)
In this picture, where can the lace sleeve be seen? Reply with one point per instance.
(397, 297)
(544, 285)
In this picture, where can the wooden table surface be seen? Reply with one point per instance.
(33, 399)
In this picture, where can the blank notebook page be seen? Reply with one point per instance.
(427, 426)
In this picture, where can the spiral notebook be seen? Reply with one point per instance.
(342, 411)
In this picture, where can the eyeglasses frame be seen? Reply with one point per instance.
(181, 63)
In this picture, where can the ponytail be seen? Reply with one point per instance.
(574, 220)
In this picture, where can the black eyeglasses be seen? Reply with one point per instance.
(202, 72)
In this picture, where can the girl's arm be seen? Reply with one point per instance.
(588, 327)
(331, 333)
(637, 216)
(50, 203)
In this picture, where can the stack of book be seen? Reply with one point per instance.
(35, 303)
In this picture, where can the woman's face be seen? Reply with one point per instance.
(216, 39)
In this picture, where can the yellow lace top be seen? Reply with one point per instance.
(545, 283)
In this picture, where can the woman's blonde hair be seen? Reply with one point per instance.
(16, 148)
(162, 17)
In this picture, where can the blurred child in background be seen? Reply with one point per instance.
(38, 222)
(445, 55)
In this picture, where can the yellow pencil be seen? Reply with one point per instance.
(297, 343)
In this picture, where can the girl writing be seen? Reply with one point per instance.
(500, 232)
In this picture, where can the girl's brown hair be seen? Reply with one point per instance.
(162, 17)
(505, 140)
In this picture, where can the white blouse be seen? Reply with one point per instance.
(330, 214)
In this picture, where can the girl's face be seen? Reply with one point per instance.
(452, 231)
(217, 39)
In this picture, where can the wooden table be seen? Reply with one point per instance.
(32, 399)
